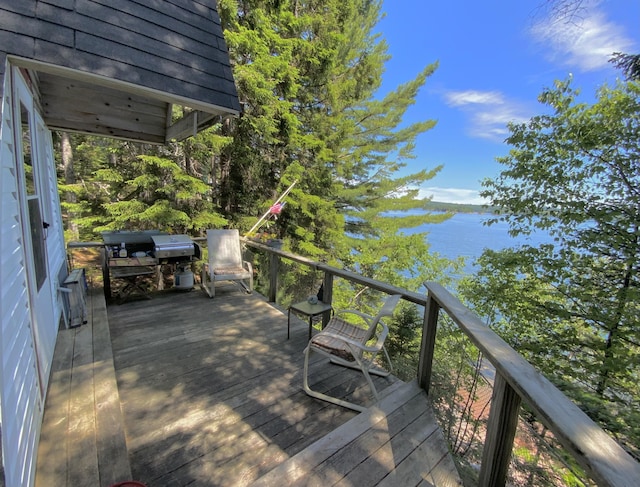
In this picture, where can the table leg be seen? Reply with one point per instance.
(310, 325)
(289, 324)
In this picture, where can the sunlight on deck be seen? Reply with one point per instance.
(210, 394)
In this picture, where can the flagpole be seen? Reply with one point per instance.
(282, 196)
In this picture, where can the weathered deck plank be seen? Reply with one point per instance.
(82, 454)
(113, 460)
(51, 467)
(375, 453)
(82, 440)
(209, 394)
(211, 389)
(396, 442)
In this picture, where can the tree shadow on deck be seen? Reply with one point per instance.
(211, 390)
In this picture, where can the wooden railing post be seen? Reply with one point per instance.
(106, 278)
(429, 328)
(501, 431)
(274, 265)
(327, 295)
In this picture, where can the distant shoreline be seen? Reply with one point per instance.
(459, 207)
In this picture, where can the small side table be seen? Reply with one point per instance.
(132, 276)
(307, 309)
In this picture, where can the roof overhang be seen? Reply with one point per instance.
(76, 101)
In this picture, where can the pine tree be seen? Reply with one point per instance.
(129, 186)
(308, 75)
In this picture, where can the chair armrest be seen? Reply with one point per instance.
(364, 316)
(354, 343)
(248, 266)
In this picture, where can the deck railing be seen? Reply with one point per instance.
(516, 383)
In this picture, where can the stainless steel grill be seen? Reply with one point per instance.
(153, 246)
(132, 255)
(175, 247)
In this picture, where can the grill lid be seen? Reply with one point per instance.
(130, 237)
(168, 246)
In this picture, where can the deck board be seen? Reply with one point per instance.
(113, 465)
(82, 437)
(377, 450)
(209, 393)
(211, 388)
(83, 451)
(51, 467)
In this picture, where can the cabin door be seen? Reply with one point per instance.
(34, 191)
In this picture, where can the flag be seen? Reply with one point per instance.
(276, 209)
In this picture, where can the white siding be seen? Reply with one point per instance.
(55, 239)
(19, 385)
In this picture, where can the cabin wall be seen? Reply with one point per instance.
(173, 46)
(22, 404)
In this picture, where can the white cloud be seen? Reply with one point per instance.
(489, 112)
(470, 97)
(586, 44)
(453, 195)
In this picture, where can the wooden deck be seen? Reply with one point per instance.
(209, 393)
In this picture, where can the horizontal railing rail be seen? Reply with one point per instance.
(602, 458)
(516, 382)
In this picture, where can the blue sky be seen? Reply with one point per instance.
(495, 57)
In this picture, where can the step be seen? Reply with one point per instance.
(395, 442)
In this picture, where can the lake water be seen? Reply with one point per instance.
(465, 235)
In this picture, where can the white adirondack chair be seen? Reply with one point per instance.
(225, 262)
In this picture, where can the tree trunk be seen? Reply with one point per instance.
(225, 183)
(215, 194)
(69, 178)
(623, 298)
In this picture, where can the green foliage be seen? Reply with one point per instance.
(459, 207)
(572, 307)
(403, 342)
(308, 74)
(156, 193)
(120, 185)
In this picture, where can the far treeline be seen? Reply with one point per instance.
(459, 207)
(308, 75)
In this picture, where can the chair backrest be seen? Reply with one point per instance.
(387, 310)
(389, 306)
(224, 248)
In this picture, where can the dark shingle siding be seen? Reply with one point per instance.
(139, 34)
(28, 9)
(66, 4)
(218, 88)
(175, 46)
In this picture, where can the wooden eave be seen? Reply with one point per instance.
(76, 101)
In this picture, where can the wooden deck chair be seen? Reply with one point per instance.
(225, 262)
(355, 344)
